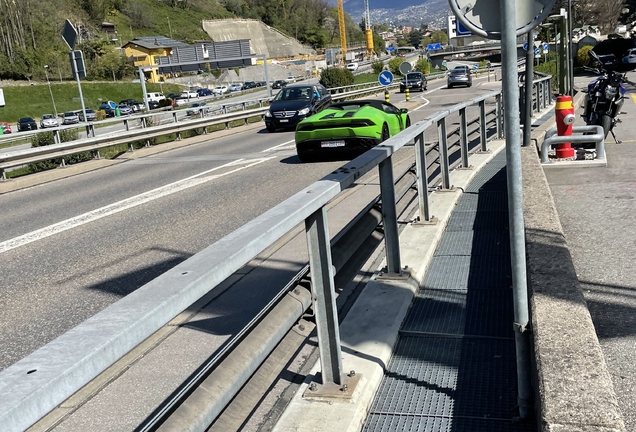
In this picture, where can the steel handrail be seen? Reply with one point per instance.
(41, 381)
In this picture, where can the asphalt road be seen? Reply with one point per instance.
(70, 248)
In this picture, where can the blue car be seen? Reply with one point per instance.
(204, 92)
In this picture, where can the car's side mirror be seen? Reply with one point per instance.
(404, 110)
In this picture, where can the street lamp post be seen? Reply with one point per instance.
(571, 48)
(560, 19)
(46, 71)
(169, 27)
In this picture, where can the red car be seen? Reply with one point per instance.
(6, 128)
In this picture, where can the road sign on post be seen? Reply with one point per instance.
(69, 34)
(77, 63)
(385, 78)
(405, 67)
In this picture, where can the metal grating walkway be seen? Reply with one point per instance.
(453, 368)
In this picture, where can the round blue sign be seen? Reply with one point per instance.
(385, 78)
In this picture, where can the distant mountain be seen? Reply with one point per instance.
(413, 13)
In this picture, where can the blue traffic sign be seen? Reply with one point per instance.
(460, 30)
(390, 48)
(475, 66)
(546, 48)
(525, 46)
(385, 78)
(537, 51)
(433, 47)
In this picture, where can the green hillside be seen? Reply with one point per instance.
(30, 30)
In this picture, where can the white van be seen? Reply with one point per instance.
(156, 97)
(352, 66)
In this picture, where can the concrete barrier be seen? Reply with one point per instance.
(573, 388)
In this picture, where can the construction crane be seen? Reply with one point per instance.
(343, 32)
(368, 33)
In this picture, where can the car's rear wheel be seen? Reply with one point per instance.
(385, 132)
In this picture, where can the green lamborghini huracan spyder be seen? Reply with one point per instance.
(348, 129)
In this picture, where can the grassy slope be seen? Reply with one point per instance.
(35, 100)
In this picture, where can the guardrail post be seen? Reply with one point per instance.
(324, 297)
(463, 137)
(389, 216)
(443, 153)
(499, 116)
(3, 175)
(174, 116)
(482, 126)
(56, 136)
(126, 125)
(422, 179)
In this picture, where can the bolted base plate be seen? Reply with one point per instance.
(332, 391)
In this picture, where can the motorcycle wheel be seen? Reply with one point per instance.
(606, 124)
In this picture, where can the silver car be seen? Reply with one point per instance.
(70, 118)
(460, 76)
(90, 115)
(197, 108)
(48, 120)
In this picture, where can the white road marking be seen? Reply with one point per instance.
(276, 147)
(426, 102)
(434, 90)
(128, 203)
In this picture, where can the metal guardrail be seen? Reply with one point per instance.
(94, 144)
(33, 386)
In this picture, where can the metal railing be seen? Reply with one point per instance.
(594, 135)
(33, 386)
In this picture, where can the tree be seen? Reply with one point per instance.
(377, 66)
(336, 77)
(583, 55)
(423, 65)
(394, 65)
(439, 37)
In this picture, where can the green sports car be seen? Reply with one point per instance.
(348, 129)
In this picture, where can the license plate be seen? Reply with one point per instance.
(332, 144)
(284, 121)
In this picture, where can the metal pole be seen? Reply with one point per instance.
(527, 119)
(79, 85)
(46, 67)
(515, 206)
(570, 49)
(269, 87)
(482, 126)
(142, 78)
(562, 59)
(443, 153)
(169, 27)
(324, 297)
(463, 137)
(389, 216)
(422, 178)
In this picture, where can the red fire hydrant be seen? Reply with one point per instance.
(564, 112)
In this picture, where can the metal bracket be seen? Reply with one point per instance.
(404, 274)
(519, 328)
(419, 222)
(468, 168)
(450, 189)
(333, 391)
(483, 152)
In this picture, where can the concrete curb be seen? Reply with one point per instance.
(573, 389)
(370, 330)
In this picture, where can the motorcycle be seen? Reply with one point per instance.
(605, 97)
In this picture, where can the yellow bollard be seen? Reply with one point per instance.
(387, 98)
(408, 95)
